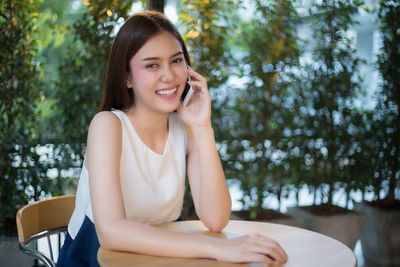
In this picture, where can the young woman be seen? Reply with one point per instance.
(139, 150)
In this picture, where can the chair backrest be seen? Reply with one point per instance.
(43, 215)
(44, 218)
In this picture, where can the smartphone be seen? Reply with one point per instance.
(189, 93)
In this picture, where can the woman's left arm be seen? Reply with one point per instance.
(206, 177)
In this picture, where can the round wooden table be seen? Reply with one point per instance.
(305, 248)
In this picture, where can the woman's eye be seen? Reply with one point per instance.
(151, 66)
(177, 60)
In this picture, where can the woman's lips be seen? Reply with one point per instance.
(168, 93)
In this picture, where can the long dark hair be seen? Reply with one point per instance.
(135, 32)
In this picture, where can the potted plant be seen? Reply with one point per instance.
(326, 120)
(380, 238)
(267, 49)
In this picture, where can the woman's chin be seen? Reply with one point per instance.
(171, 108)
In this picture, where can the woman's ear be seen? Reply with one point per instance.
(129, 83)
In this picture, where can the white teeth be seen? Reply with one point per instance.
(166, 92)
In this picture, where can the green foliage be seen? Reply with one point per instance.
(22, 171)
(156, 5)
(80, 81)
(330, 86)
(269, 51)
(206, 38)
(54, 36)
(206, 33)
(386, 160)
(288, 125)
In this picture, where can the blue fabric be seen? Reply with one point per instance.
(64, 260)
(82, 251)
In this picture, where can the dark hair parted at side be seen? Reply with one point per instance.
(135, 32)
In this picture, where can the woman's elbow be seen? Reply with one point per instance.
(105, 237)
(218, 223)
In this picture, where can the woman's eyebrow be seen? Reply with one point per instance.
(156, 58)
(176, 54)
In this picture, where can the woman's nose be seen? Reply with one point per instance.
(167, 74)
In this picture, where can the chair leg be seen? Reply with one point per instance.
(35, 261)
(38, 255)
(50, 248)
(59, 242)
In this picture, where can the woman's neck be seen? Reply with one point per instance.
(152, 128)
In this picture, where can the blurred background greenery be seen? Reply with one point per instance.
(286, 103)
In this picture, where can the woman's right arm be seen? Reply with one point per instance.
(116, 232)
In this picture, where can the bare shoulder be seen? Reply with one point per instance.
(105, 121)
(104, 137)
(105, 125)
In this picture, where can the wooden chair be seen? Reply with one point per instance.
(44, 218)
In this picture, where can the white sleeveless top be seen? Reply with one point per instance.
(152, 184)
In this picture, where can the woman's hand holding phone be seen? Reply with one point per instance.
(197, 112)
(188, 95)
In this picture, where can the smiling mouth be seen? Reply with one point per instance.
(166, 92)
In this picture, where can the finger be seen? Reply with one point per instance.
(269, 247)
(198, 86)
(273, 250)
(280, 250)
(257, 257)
(196, 75)
(267, 251)
(278, 247)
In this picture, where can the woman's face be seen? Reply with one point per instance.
(158, 74)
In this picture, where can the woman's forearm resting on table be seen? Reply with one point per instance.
(125, 235)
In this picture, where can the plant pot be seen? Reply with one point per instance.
(380, 237)
(267, 215)
(11, 255)
(345, 227)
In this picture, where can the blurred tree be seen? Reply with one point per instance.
(387, 114)
(331, 85)
(53, 35)
(156, 5)
(276, 133)
(206, 31)
(22, 172)
(269, 51)
(358, 168)
(206, 34)
(80, 82)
